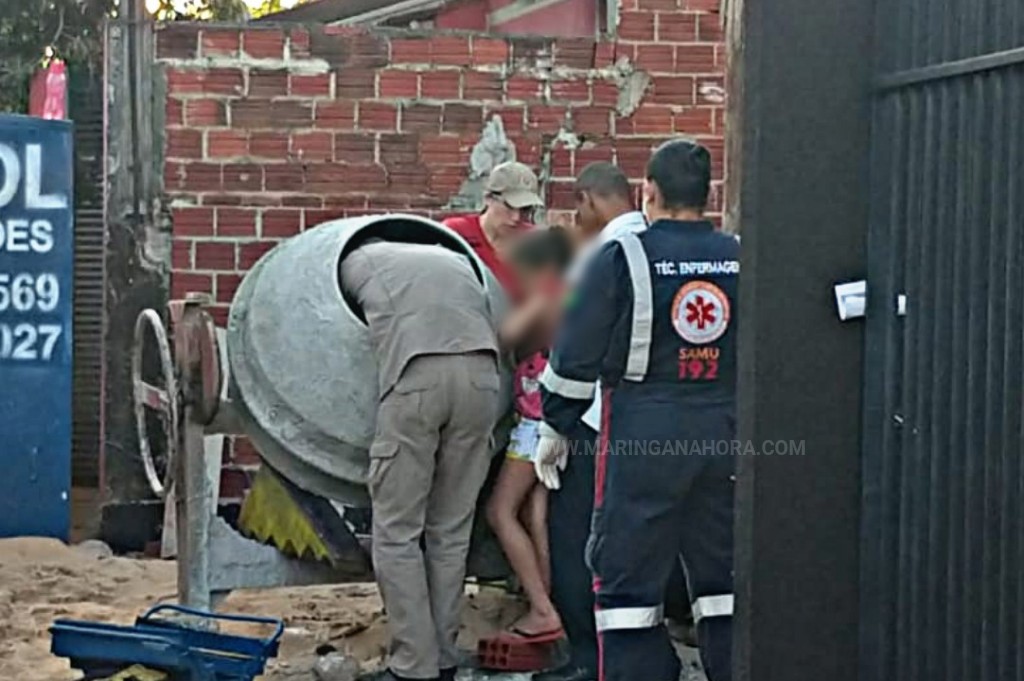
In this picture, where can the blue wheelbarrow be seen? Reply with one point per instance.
(184, 653)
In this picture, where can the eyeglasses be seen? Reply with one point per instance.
(526, 214)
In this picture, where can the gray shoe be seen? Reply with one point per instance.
(567, 673)
(388, 675)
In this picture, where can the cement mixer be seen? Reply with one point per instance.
(300, 381)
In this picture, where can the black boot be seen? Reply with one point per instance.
(449, 674)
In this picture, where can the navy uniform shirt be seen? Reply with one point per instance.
(667, 323)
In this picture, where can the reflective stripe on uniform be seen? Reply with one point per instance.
(643, 307)
(712, 606)
(566, 387)
(629, 618)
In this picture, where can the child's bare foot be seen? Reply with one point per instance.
(536, 624)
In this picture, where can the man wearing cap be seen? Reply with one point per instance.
(510, 201)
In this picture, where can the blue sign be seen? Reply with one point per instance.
(36, 266)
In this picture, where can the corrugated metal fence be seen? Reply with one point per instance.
(943, 522)
(86, 110)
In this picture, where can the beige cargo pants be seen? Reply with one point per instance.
(428, 461)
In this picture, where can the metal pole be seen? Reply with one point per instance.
(131, 10)
(195, 500)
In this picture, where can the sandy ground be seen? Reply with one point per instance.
(42, 580)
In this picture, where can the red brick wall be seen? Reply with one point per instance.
(271, 131)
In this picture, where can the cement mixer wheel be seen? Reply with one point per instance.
(163, 400)
(203, 393)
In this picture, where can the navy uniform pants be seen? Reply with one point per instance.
(569, 514)
(664, 492)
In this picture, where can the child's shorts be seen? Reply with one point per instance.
(522, 445)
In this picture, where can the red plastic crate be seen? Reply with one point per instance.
(510, 653)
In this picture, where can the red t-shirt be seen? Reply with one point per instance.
(469, 228)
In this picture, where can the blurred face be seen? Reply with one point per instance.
(587, 216)
(539, 281)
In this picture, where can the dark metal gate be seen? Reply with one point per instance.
(943, 482)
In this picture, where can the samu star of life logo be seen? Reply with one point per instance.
(700, 312)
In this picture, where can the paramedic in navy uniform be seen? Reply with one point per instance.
(655, 323)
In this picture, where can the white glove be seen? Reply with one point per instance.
(552, 457)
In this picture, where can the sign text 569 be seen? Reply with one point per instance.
(25, 292)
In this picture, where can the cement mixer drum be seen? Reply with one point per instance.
(303, 373)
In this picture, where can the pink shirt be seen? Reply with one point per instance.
(527, 386)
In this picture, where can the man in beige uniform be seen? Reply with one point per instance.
(437, 352)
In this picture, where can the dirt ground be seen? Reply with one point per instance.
(42, 580)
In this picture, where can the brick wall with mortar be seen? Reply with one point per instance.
(270, 130)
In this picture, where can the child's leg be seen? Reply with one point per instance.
(535, 517)
(515, 482)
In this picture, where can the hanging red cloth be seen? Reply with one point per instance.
(48, 93)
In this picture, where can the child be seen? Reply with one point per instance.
(517, 509)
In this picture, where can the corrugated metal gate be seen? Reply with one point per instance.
(86, 110)
(943, 481)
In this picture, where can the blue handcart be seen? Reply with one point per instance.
(184, 653)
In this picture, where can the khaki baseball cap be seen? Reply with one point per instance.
(516, 184)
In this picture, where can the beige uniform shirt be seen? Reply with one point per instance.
(417, 300)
